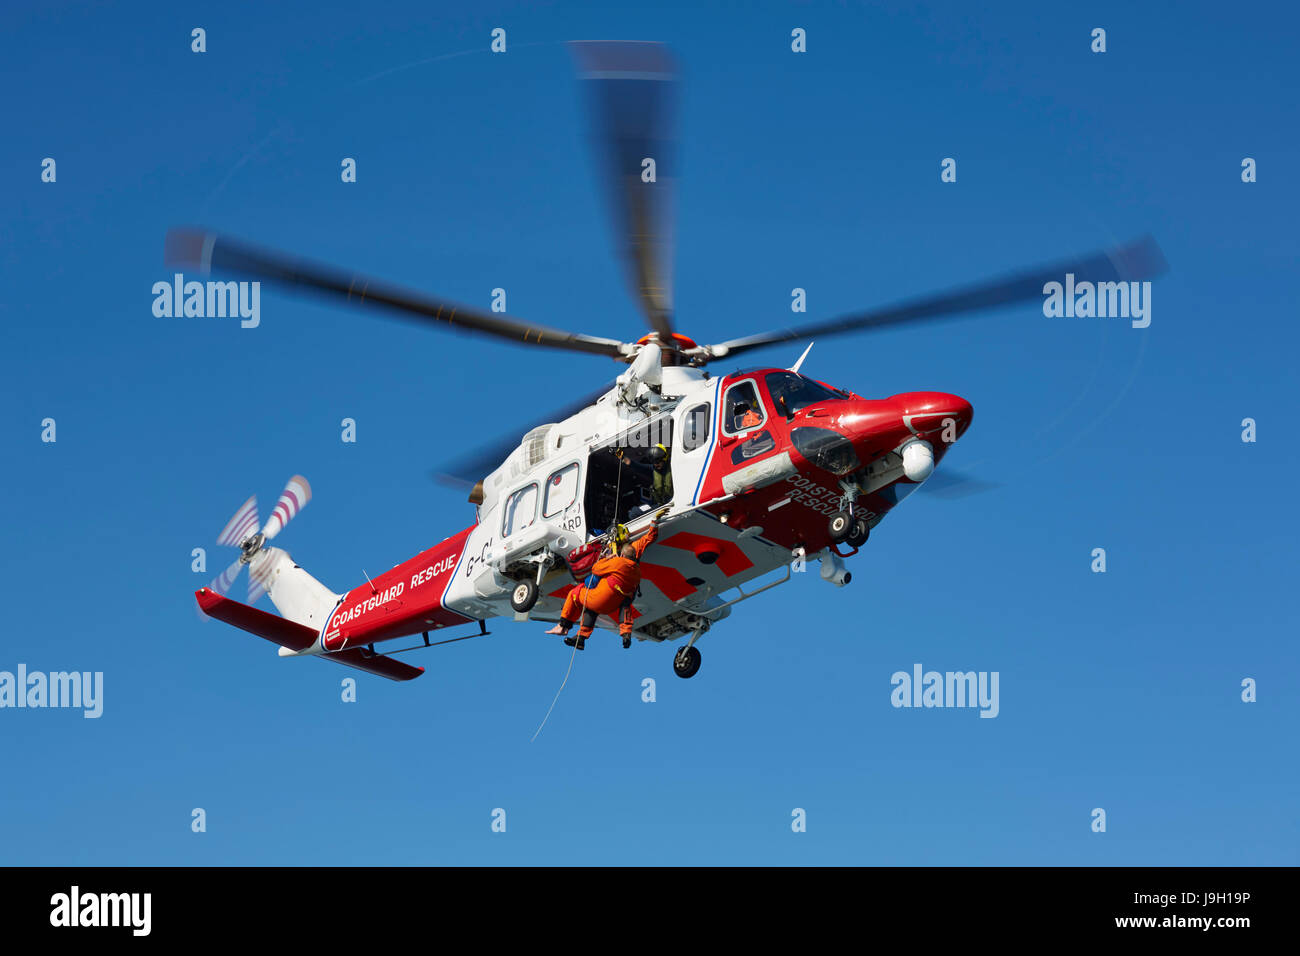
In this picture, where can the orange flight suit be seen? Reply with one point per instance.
(619, 579)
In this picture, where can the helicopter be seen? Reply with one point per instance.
(762, 470)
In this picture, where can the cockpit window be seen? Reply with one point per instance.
(791, 392)
(742, 409)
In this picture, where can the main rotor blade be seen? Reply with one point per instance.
(632, 88)
(950, 483)
(1136, 261)
(469, 470)
(208, 251)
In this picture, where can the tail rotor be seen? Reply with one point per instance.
(242, 532)
(221, 584)
(293, 499)
(241, 526)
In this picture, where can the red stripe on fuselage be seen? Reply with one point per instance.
(670, 581)
(731, 560)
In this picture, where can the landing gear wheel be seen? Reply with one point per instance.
(524, 596)
(687, 662)
(840, 526)
(859, 532)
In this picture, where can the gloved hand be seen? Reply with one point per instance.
(659, 515)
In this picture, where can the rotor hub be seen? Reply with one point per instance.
(674, 348)
(250, 547)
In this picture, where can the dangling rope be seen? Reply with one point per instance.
(618, 491)
(561, 690)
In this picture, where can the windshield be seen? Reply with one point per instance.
(792, 392)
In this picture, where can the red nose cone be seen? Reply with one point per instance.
(934, 414)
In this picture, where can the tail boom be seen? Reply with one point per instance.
(406, 600)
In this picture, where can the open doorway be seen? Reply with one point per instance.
(630, 476)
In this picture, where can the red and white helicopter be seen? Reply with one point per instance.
(768, 466)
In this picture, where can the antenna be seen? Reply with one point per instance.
(370, 582)
(796, 365)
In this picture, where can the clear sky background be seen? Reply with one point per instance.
(821, 170)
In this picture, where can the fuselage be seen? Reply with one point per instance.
(757, 460)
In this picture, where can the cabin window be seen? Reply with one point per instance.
(521, 510)
(561, 491)
(695, 427)
(741, 409)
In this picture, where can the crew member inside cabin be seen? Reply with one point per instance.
(744, 415)
(661, 487)
(619, 577)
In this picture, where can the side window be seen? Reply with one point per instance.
(760, 443)
(521, 510)
(741, 409)
(561, 491)
(695, 427)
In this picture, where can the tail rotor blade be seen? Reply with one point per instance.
(242, 526)
(221, 584)
(293, 499)
(256, 583)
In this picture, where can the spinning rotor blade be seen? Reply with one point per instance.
(242, 526)
(1136, 261)
(293, 499)
(207, 251)
(632, 90)
(950, 483)
(221, 584)
(256, 583)
(469, 470)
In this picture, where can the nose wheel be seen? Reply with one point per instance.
(859, 531)
(524, 596)
(849, 528)
(686, 662)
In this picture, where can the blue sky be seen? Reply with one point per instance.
(1118, 690)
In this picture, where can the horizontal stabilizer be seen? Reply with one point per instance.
(277, 630)
(296, 637)
(380, 664)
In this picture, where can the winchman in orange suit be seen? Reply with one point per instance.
(620, 576)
